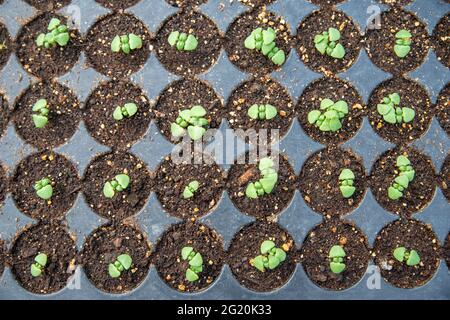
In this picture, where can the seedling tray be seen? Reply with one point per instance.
(297, 219)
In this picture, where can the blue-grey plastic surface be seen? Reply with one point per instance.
(298, 218)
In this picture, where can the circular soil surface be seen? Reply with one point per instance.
(172, 268)
(124, 204)
(314, 254)
(441, 40)
(103, 247)
(47, 63)
(64, 180)
(446, 250)
(5, 114)
(443, 108)
(445, 178)
(60, 248)
(413, 235)
(98, 45)
(4, 184)
(6, 45)
(186, 3)
(99, 109)
(412, 95)
(48, 5)
(117, 5)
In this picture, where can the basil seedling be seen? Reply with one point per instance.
(391, 111)
(195, 261)
(336, 256)
(40, 116)
(264, 42)
(191, 189)
(402, 43)
(330, 115)
(401, 182)
(266, 184)
(58, 35)
(44, 189)
(411, 257)
(327, 43)
(126, 43)
(122, 263)
(191, 120)
(346, 183)
(120, 183)
(271, 257)
(40, 262)
(182, 41)
(262, 112)
(127, 111)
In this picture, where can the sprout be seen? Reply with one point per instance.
(391, 111)
(266, 184)
(336, 256)
(182, 41)
(120, 183)
(346, 183)
(271, 257)
(330, 115)
(190, 120)
(44, 189)
(122, 263)
(127, 111)
(40, 116)
(326, 43)
(401, 182)
(411, 258)
(262, 112)
(402, 43)
(126, 43)
(191, 189)
(195, 261)
(40, 261)
(264, 41)
(58, 35)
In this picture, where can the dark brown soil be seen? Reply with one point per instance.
(63, 119)
(319, 181)
(443, 108)
(334, 89)
(326, 2)
(185, 63)
(253, 61)
(60, 248)
(315, 251)
(4, 186)
(117, 5)
(186, 3)
(441, 40)
(411, 234)
(413, 95)
(260, 91)
(446, 251)
(172, 179)
(99, 109)
(246, 246)
(400, 3)
(98, 45)
(103, 247)
(445, 178)
(256, 3)
(65, 181)
(126, 203)
(318, 22)
(5, 114)
(46, 63)
(172, 269)
(3, 255)
(380, 42)
(48, 5)
(184, 94)
(6, 45)
(420, 191)
(244, 172)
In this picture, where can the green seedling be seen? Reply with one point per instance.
(327, 43)
(264, 42)
(411, 257)
(182, 41)
(58, 35)
(191, 189)
(195, 261)
(44, 189)
(346, 183)
(122, 263)
(126, 43)
(402, 181)
(271, 257)
(191, 121)
(336, 256)
(40, 116)
(262, 112)
(120, 183)
(40, 262)
(127, 111)
(266, 184)
(330, 115)
(391, 111)
(402, 43)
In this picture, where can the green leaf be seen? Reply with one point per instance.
(347, 191)
(319, 38)
(335, 124)
(40, 40)
(126, 48)
(394, 194)
(54, 23)
(116, 44)
(265, 163)
(337, 267)
(131, 109)
(195, 132)
(134, 41)
(194, 185)
(321, 46)
(191, 276)
(62, 39)
(108, 190)
(390, 117)
(269, 183)
(250, 42)
(395, 98)
(313, 116)
(326, 103)
(271, 112)
(39, 121)
(266, 48)
(35, 270)
(197, 260)
(185, 252)
(198, 111)
(258, 263)
(266, 246)
(403, 34)
(269, 35)
(173, 38)
(338, 52)
(273, 262)
(250, 192)
(279, 58)
(336, 252)
(123, 180)
(253, 112)
(41, 259)
(409, 174)
(402, 180)
(125, 260)
(187, 193)
(413, 259)
(402, 161)
(341, 106)
(191, 43)
(113, 272)
(334, 34)
(176, 130)
(408, 114)
(346, 174)
(117, 114)
(401, 51)
(399, 253)
(40, 104)
(45, 193)
(325, 126)
(280, 254)
(384, 109)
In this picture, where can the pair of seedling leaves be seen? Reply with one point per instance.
(191, 189)
(118, 184)
(122, 263)
(327, 43)
(411, 257)
(262, 112)
(44, 188)
(266, 184)
(58, 35)
(40, 116)
(392, 112)
(271, 257)
(330, 115)
(195, 261)
(126, 111)
(182, 41)
(336, 256)
(264, 41)
(401, 182)
(40, 262)
(346, 183)
(126, 43)
(402, 43)
(191, 120)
